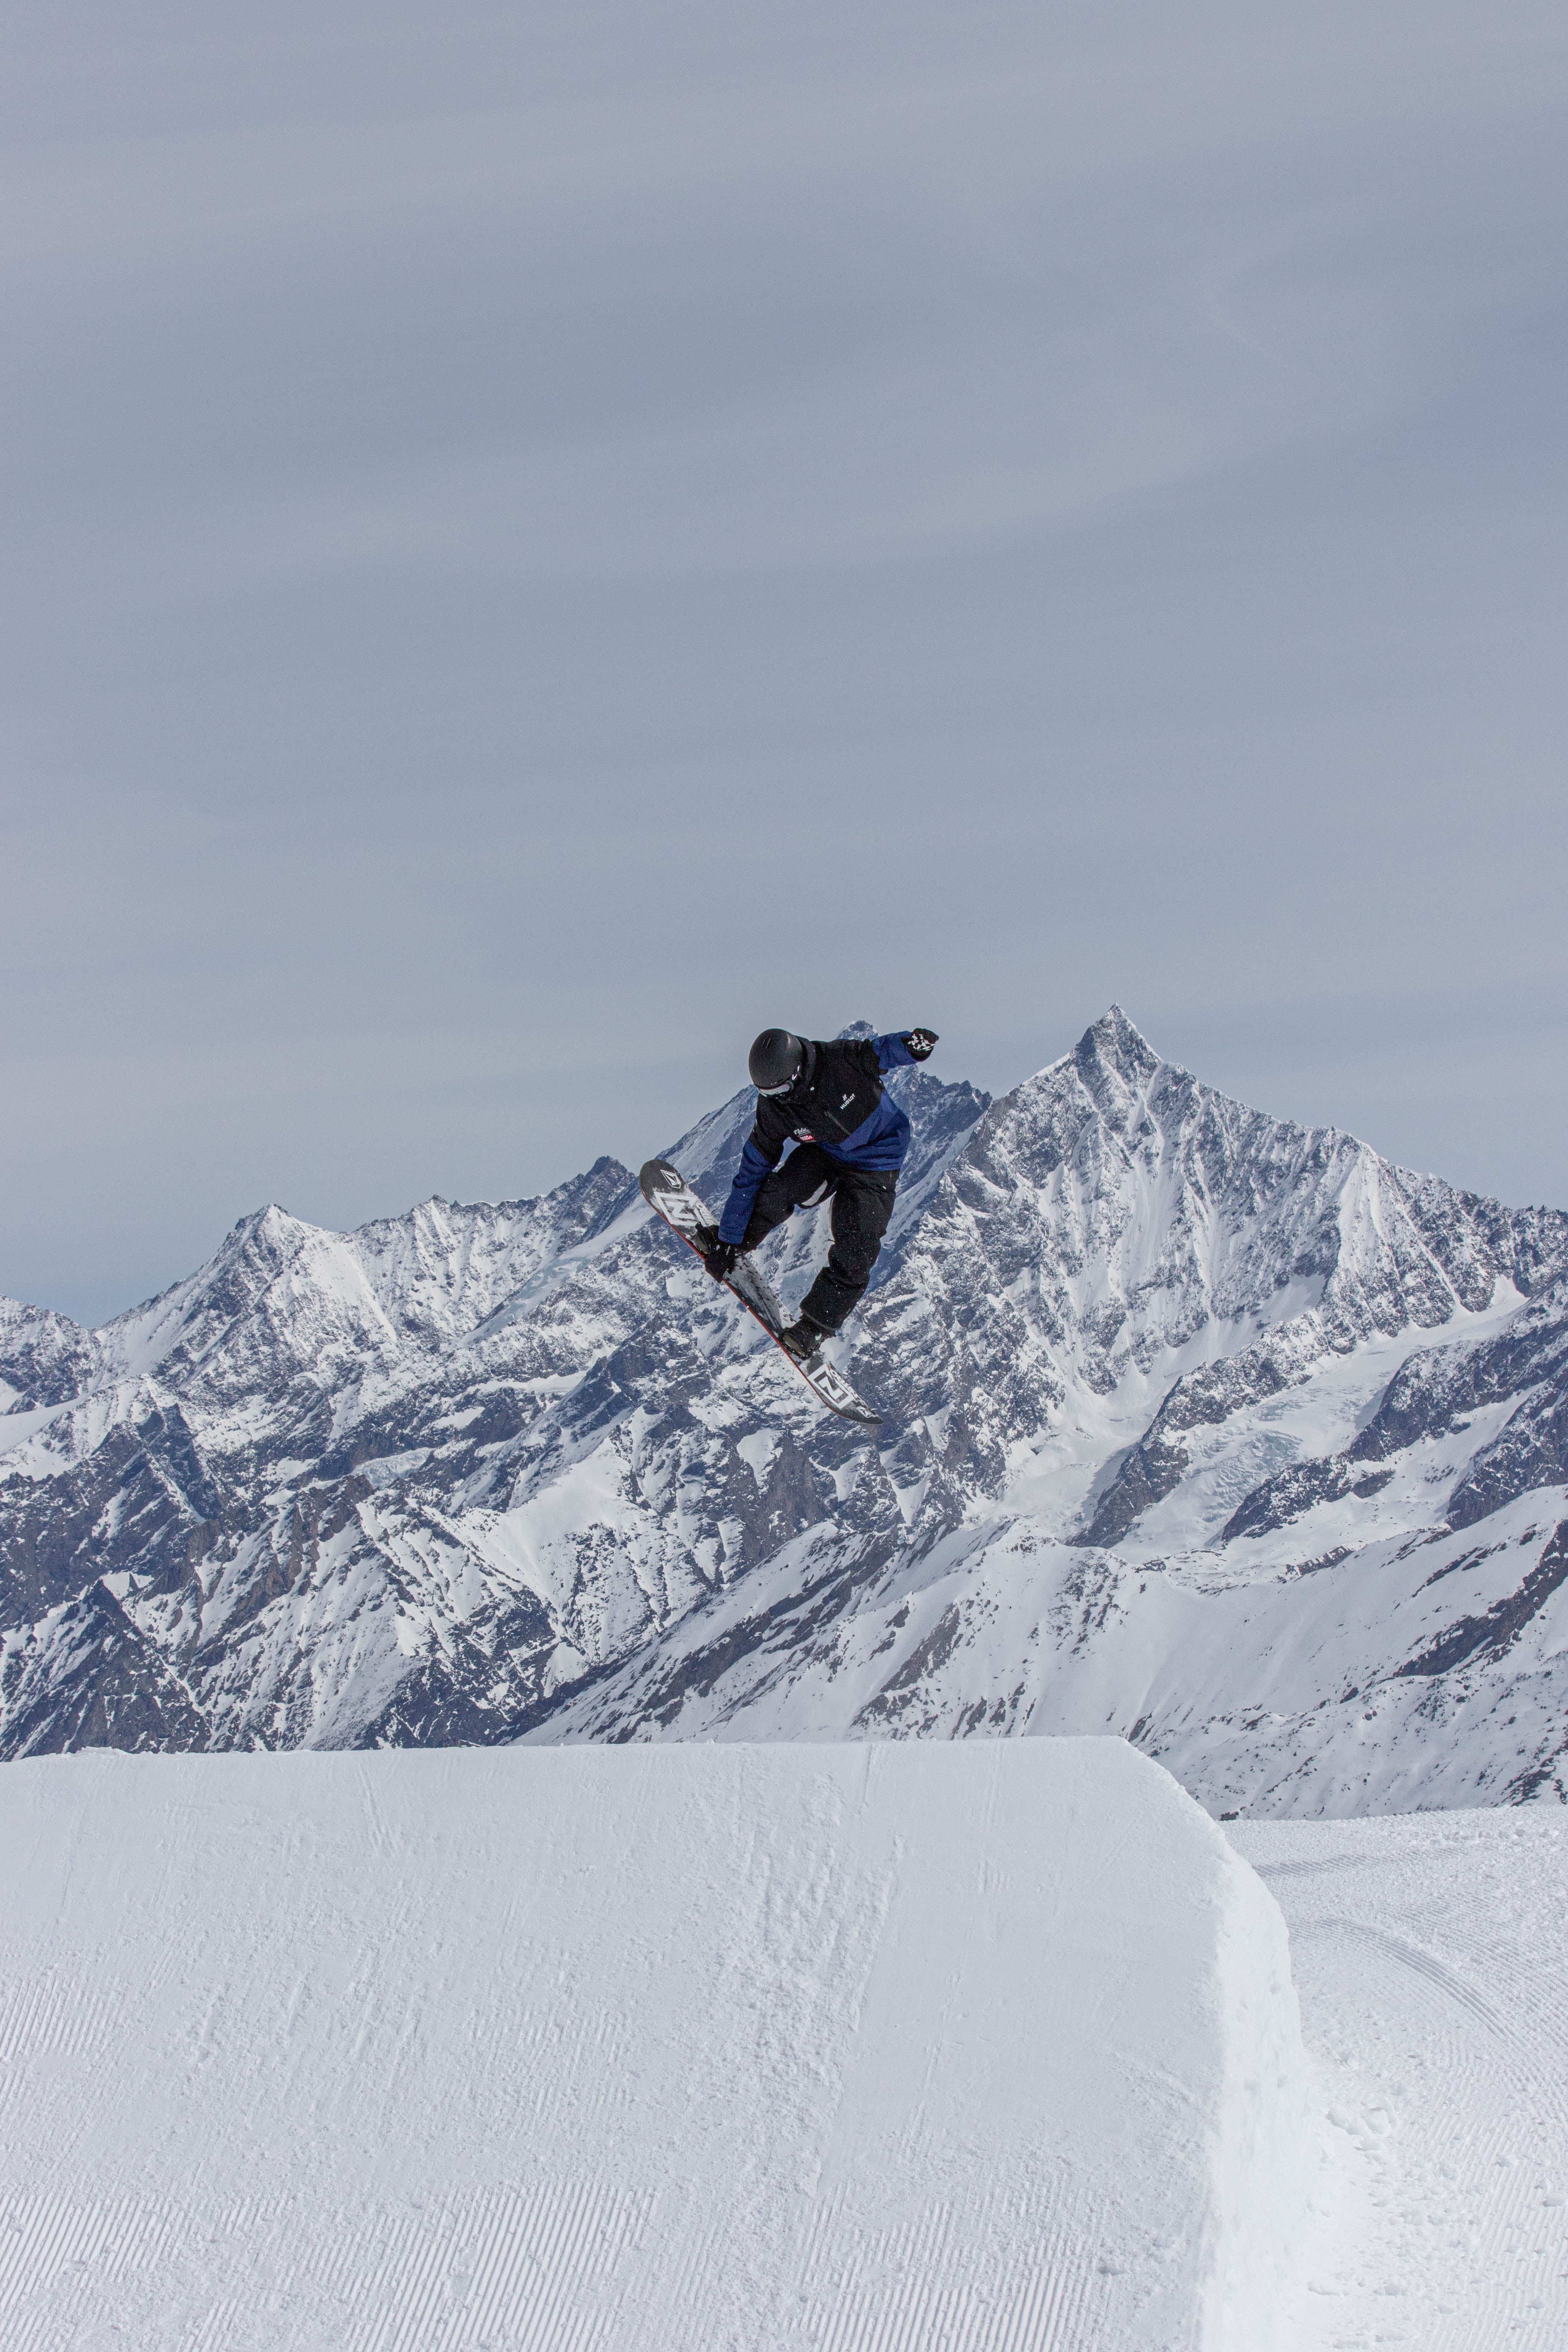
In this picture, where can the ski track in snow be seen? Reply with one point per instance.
(1430, 1954)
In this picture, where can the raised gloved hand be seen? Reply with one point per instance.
(720, 1259)
(920, 1043)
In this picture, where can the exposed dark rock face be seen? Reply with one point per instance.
(1287, 1495)
(1497, 1629)
(44, 1356)
(87, 1677)
(1156, 1464)
(1435, 1394)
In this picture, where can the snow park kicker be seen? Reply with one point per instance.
(986, 2047)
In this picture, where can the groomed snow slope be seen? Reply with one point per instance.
(972, 2047)
(1431, 1954)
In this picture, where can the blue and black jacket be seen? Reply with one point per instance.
(837, 1102)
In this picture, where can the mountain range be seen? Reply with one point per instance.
(1209, 1430)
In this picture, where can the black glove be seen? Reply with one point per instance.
(720, 1259)
(920, 1043)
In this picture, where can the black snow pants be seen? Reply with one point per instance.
(862, 1204)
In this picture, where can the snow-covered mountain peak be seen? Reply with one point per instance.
(43, 1356)
(279, 1297)
(1113, 1053)
(447, 1266)
(1165, 1205)
(1125, 1253)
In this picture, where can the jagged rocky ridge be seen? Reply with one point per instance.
(1201, 1427)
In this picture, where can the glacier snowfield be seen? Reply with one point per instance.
(976, 2047)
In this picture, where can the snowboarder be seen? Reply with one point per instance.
(849, 1141)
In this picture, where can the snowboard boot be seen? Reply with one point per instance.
(802, 1339)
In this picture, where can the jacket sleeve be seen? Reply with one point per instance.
(763, 1148)
(892, 1051)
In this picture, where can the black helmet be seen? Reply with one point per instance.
(776, 1061)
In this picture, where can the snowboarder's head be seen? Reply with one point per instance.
(776, 1061)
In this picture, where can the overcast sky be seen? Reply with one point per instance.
(538, 540)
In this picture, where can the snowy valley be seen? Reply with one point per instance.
(1221, 1435)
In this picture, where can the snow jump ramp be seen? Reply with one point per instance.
(902, 2047)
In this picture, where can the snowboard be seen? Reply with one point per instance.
(666, 1190)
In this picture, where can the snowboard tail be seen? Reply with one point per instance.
(667, 1192)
